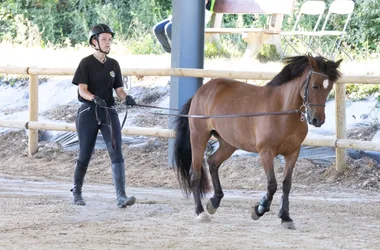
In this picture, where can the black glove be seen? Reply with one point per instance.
(99, 101)
(129, 101)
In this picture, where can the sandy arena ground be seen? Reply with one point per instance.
(39, 215)
(330, 210)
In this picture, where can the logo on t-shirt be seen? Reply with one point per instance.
(112, 74)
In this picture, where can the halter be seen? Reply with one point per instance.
(306, 102)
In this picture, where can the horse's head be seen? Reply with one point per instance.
(318, 81)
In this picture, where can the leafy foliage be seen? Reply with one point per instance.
(358, 92)
(365, 25)
(66, 23)
(362, 32)
(212, 50)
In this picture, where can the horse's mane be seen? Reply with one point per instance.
(295, 67)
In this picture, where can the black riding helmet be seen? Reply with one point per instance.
(98, 29)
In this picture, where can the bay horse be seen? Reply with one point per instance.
(269, 120)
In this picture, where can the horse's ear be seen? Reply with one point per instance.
(337, 63)
(313, 62)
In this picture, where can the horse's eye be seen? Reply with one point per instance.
(315, 87)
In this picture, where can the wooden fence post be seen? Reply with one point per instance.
(340, 124)
(33, 114)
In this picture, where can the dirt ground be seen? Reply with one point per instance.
(39, 215)
(331, 210)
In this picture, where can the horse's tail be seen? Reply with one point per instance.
(182, 155)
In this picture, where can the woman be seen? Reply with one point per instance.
(96, 76)
(163, 29)
(163, 33)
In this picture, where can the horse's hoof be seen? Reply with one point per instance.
(255, 213)
(210, 208)
(288, 225)
(204, 217)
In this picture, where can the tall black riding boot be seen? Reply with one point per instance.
(80, 172)
(118, 175)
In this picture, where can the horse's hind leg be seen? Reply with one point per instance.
(260, 209)
(198, 176)
(224, 151)
(290, 161)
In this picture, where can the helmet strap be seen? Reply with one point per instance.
(100, 49)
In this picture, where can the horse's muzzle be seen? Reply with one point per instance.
(316, 122)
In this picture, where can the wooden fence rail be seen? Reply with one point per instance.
(340, 141)
(249, 75)
(325, 141)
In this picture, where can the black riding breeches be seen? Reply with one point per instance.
(87, 124)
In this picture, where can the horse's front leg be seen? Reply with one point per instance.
(290, 161)
(264, 205)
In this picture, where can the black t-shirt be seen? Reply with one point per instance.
(100, 78)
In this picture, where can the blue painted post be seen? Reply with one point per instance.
(187, 52)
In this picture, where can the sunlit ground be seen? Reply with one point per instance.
(70, 57)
